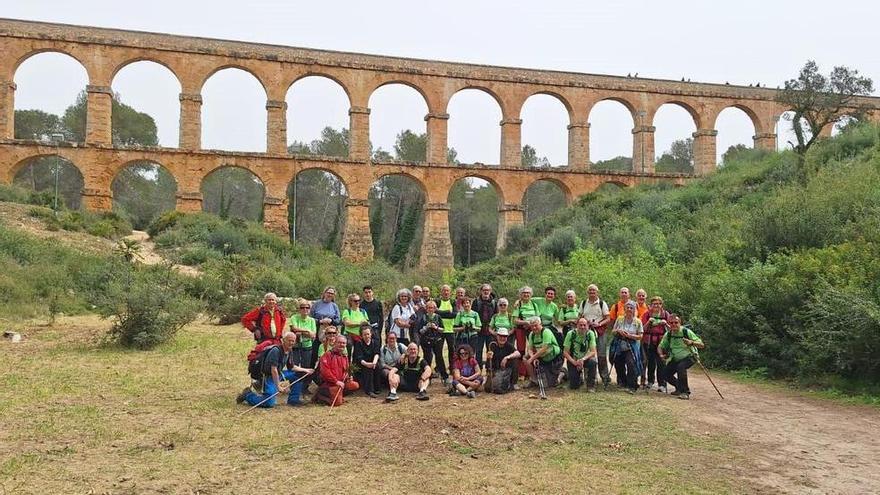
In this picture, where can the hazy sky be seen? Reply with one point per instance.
(742, 42)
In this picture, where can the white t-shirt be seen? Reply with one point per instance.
(400, 313)
(593, 311)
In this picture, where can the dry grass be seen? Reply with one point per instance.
(81, 417)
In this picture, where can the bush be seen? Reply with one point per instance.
(148, 310)
(560, 243)
(164, 222)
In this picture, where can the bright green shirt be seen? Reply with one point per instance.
(305, 342)
(501, 320)
(578, 345)
(567, 313)
(673, 344)
(447, 322)
(356, 316)
(526, 311)
(546, 311)
(472, 317)
(545, 339)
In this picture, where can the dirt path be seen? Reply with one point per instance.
(797, 444)
(149, 256)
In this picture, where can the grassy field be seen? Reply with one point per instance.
(83, 417)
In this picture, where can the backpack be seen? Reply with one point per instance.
(685, 333)
(601, 330)
(257, 359)
(389, 320)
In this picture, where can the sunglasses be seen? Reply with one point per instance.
(305, 307)
(355, 300)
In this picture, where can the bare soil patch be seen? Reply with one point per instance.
(795, 443)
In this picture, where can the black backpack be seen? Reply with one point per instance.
(258, 368)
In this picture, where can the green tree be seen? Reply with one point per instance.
(233, 192)
(35, 124)
(616, 164)
(530, 158)
(39, 175)
(331, 143)
(130, 127)
(473, 221)
(817, 101)
(679, 158)
(142, 191)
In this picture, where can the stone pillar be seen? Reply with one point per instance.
(357, 243)
(189, 201)
(97, 199)
(276, 127)
(643, 149)
(99, 110)
(579, 145)
(359, 134)
(705, 158)
(765, 141)
(190, 121)
(7, 109)
(275, 216)
(509, 215)
(511, 142)
(437, 124)
(436, 241)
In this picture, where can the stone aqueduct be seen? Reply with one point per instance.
(103, 52)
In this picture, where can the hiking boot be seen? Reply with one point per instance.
(652, 386)
(295, 403)
(447, 381)
(391, 397)
(422, 395)
(662, 389)
(372, 395)
(675, 393)
(591, 390)
(434, 376)
(630, 391)
(471, 394)
(242, 396)
(684, 396)
(452, 392)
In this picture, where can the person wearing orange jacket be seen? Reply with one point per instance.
(266, 322)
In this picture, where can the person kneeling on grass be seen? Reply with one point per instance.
(579, 350)
(271, 363)
(466, 377)
(677, 349)
(543, 357)
(503, 363)
(415, 374)
(333, 368)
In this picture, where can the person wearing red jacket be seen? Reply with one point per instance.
(266, 322)
(654, 321)
(334, 375)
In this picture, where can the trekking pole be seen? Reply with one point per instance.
(538, 373)
(707, 375)
(338, 392)
(258, 404)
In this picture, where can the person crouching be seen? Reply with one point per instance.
(335, 379)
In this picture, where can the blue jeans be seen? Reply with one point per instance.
(482, 341)
(293, 396)
(269, 388)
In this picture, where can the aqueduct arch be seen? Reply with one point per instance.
(193, 60)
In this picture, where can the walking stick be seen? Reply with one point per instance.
(344, 377)
(538, 373)
(258, 404)
(707, 375)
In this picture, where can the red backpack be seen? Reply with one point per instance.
(257, 357)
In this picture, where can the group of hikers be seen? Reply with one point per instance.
(490, 345)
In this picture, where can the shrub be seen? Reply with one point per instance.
(149, 309)
(164, 222)
(560, 243)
